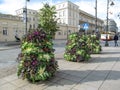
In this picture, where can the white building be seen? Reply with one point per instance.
(32, 20)
(70, 16)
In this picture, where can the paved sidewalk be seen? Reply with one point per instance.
(102, 72)
(9, 45)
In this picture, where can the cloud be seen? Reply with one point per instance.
(10, 6)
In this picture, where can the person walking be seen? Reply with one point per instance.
(116, 39)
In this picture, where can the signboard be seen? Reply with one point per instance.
(85, 26)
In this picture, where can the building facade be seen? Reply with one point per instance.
(32, 20)
(68, 14)
(10, 26)
(71, 19)
(112, 26)
(90, 19)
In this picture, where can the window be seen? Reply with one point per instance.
(29, 19)
(63, 5)
(63, 21)
(4, 30)
(59, 33)
(70, 5)
(60, 14)
(59, 6)
(63, 13)
(33, 25)
(33, 19)
(33, 12)
(30, 26)
(69, 31)
(69, 13)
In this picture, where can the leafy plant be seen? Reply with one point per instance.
(48, 20)
(37, 60)
(77, 48)
(94, 44)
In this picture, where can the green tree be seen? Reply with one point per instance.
(48, 20)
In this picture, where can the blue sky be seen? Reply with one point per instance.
(10, 6)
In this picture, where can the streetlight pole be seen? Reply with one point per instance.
(67, 30)
(106, 42)
(96, 15)
(25, 12)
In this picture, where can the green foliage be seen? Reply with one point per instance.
(36, 60)
(94, 44)
(77, 48)
(47, 19)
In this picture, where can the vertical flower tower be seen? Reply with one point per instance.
(37, 61)
(77, 48)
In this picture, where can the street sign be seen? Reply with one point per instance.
(85, 26)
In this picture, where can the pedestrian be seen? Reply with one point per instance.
(116, 39)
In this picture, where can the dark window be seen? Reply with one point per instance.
(59, 33)
(33, 19)
(4, 31)
(33, 25)
(30, 26)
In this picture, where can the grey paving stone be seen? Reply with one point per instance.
(36, 86)
(100, 73)
(111, 85)
(8, 86)
(19, 82)
(2, 81)
(57, 87)
(73, 78)
(11, 78)
(66, 83)
(85, 87)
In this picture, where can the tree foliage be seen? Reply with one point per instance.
(47, 19)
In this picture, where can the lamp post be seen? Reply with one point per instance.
(106, 42)
(95, 15)
(67, 30)
(25, 15)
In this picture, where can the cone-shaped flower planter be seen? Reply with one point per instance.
(77, 48)
(37, 61)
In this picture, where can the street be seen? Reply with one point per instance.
(8, 63)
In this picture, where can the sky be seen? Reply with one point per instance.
(10, 6)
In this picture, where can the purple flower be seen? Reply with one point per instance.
(36, 33)
(34, 62)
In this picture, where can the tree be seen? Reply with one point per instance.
(47, 19)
